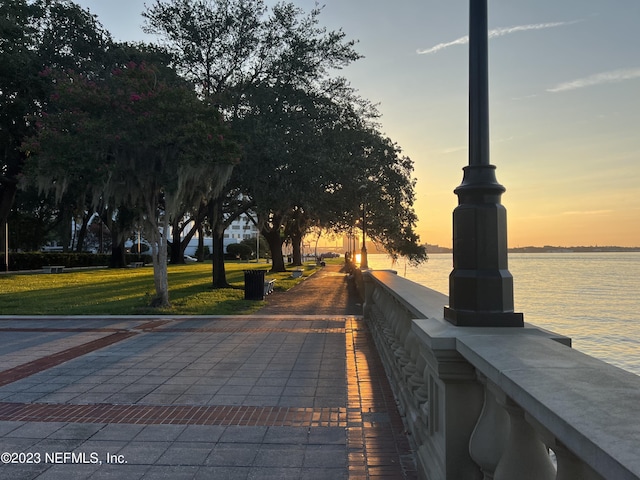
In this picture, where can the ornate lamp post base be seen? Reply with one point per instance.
(480, 285)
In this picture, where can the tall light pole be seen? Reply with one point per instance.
(480, 285)
(364, 260)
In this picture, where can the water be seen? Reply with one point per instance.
(594, 298)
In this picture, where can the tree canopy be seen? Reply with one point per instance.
(228, 47)
(138, 137)
(35, 35)
(235, 89)
(235, 51)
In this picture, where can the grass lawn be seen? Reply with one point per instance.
(129, 291)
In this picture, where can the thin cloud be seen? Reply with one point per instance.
(497, 32)
(615, 76)
(442, 46)
(586, 212)
(447, 151)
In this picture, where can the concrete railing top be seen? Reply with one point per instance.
(421, 303)
(592, 407)
(577, 401)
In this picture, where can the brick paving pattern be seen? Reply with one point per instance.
(296, 391)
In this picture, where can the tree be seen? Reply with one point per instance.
(184, 226)
(230, 48)
(240, 250)
(294, 156)
(138, 138)
(253, 244)
(376, 191)
(35, 35)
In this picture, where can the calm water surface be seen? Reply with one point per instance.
(594, 298)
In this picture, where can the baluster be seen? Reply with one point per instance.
(489, 438)
(525, 457)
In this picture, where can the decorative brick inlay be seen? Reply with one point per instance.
(254, 330)
(31, 368)
(176, 415)
(153, 328)
(59, 330)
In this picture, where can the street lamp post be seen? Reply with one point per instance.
(355, 245)
(480, 285)
(364, 261)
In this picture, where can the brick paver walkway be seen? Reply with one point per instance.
(297, 394)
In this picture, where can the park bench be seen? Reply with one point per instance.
(268, 286)
(52, 268)
(136, 264)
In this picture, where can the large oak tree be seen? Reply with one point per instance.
(137, 137)
(35, 35)
(233, 48)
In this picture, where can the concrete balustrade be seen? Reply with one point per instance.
(500, 403)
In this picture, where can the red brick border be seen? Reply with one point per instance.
(31, 368)
(175, 415)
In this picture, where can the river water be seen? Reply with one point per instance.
(594, 298)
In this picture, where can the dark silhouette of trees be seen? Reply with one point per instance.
(35, 36)
(140, 138)
(233, 49)
(237, 110)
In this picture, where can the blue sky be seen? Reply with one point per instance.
(564, 105)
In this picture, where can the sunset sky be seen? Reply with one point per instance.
(564, 104)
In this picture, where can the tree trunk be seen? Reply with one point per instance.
(296, 244)
(275, 245)
(219, 271)
(82, 233)
(176, 254)
(200, 251)
(118, 259)
(66, 218)
(179, 244)
(216, 217)
(159, 256)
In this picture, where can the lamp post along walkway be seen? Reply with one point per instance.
(489, 403)
(480, 285)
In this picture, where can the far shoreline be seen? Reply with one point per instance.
(549, 249)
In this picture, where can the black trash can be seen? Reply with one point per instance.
(254, 284)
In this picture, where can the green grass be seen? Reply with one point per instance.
(129, 291)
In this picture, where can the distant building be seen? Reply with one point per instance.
(240, 229)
